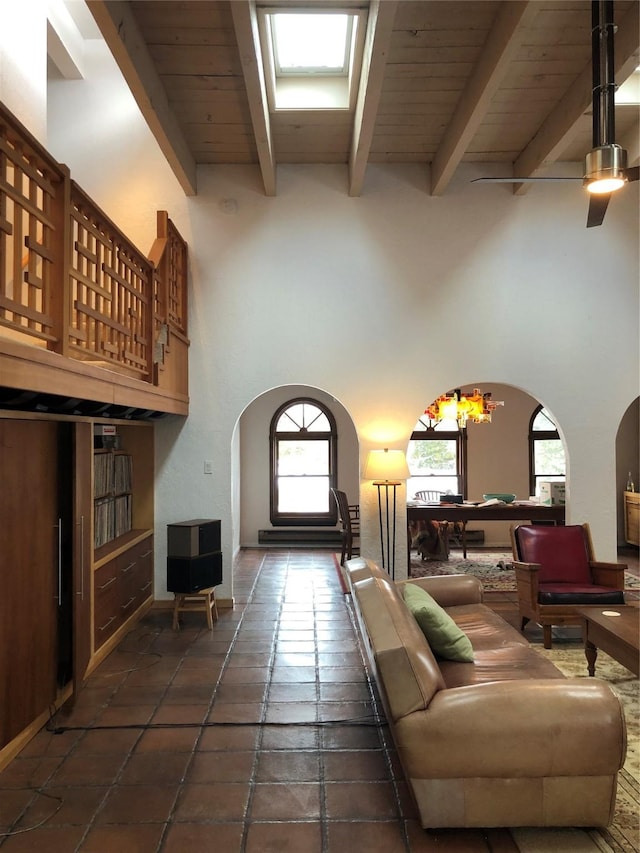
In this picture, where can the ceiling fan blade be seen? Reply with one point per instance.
(519, 180)
(633, 174)
(597, 209)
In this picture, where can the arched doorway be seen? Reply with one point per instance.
(252, 468)
(627, 468)
(482, 458)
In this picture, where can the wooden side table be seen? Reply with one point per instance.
(615, 630)
(204, 600)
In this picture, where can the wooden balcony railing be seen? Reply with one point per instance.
(72, 283)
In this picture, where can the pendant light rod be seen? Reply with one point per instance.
(604, 87)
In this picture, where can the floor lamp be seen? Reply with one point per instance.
(388, 469)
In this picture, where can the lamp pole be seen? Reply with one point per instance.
(387, 469)
(388, 563)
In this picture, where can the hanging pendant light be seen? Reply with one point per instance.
(463, 406)
(606, 169)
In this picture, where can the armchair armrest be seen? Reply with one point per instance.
(527, 581)
(608, 574)
(529, 568)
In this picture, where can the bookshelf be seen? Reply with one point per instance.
(122, 530)
(112, 495)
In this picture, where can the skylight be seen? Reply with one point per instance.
(312, 59)
(311, 43)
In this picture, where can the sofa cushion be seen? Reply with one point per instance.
(516, 662)
(445, 638)
(485, 628)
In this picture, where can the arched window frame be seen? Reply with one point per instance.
(447, 431)
(278, 518)
(540, 435)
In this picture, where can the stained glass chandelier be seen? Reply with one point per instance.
(463, 406)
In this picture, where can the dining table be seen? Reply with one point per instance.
(465, 512)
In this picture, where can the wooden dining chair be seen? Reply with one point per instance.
(349, 520)
(428, 495)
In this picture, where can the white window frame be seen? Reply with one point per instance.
(309, 88)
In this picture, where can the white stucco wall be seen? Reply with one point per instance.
(418, 294)
(23, 63)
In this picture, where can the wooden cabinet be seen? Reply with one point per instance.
(123, 550)
(632, 517)
(65, 604)
(30, 571)
(121, 586)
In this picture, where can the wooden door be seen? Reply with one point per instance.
(29, 572)
(82, 551)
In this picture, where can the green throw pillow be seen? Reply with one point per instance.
(445, 638)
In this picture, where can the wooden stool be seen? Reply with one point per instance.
(205, 600)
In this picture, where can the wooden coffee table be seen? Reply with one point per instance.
(615, 630)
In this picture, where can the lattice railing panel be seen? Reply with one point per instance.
(111, 286)
(177, 278)
(70, 280)
(30, 240)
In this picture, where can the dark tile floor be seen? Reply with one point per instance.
(261, 735)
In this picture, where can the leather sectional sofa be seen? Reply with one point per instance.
(502, 740)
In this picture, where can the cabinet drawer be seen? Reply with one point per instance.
(120, 587)
(633, 524)
(106, 599)
(135, 576)
(632, 517)
(127, 570)
(145, 569)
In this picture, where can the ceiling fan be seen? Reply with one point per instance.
(606, 167)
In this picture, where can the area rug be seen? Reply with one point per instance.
(623, 836)
(491, 567)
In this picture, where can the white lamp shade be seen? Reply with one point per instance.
(386, 466)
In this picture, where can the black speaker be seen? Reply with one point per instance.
(191, 574)
(193, 538)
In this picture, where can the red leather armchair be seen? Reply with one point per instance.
(556, 572)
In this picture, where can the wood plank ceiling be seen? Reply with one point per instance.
(442, 82)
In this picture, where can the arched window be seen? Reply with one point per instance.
(303, 442)
(546, 453)
(437, 458)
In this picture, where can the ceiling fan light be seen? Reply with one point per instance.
(605, 169)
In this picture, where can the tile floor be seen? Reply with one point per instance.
(262, 735)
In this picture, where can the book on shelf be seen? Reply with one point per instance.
(122, 473)
(112, 496)
(112, 473)
(103, 521)
(103, 474)
(122, 512)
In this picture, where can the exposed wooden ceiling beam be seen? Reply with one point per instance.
(563, 122)
(245, 22)
(374, 59)
(121, 33)
(497, 52)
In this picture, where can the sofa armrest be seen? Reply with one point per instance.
(449, 590)
(542, 727)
